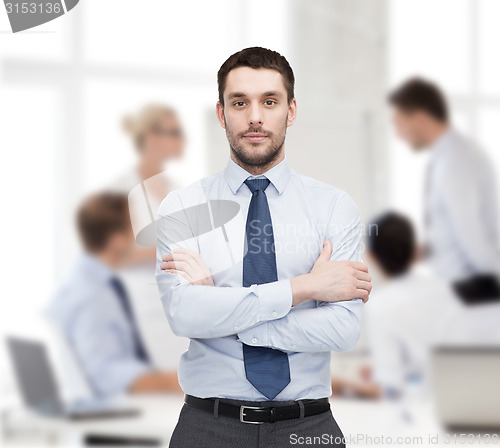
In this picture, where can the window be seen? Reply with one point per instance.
(455, 43)
(65, 87)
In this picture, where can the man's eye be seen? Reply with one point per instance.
(239, 103)
(270, 102)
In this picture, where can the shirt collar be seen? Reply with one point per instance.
(442, 142)
(96, 268)
(279, 175)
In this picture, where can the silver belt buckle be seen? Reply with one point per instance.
(242, 414)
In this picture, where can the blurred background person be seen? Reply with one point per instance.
(157, 135)
(92, 309)
(158, 138)
(411, 311)
(461, 202)
(405, 317)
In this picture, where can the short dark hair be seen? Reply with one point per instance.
(420, 94)
(392, 243)
(257, 57)
(100, 216)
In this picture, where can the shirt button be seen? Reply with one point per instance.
(236, 327)
(254, 340)
(275, 313)
(294, 347)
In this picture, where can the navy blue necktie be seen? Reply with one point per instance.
(140, 350)
(267, 369)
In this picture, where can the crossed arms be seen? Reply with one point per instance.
(267, 314)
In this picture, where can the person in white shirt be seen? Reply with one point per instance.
(409, 312)
(461, 203)
(158, 137)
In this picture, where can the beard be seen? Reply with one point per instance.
(256, 154)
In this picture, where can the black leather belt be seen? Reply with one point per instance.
(259, 414)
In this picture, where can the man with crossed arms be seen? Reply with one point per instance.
(266, 297)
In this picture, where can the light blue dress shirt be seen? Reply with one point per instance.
(219, 319)
(89, 315)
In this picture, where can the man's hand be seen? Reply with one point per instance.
(332, 281)
(189, 265)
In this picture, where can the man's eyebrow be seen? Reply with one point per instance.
(243, 95)
(237, 95)
(272, 93)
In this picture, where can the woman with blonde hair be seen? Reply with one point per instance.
(158, 137)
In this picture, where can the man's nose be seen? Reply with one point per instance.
(255, 118)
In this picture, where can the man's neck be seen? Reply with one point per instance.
(256, 170)
(436, 132)
(108, 259)
(148, 169)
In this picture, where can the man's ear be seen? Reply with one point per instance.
(292, 113)
(219, 108)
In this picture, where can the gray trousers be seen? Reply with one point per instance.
(200, 429)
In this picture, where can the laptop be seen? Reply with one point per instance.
(466, 387)
(39, 389)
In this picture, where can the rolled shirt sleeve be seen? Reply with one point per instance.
(102, 340)
(116, 376)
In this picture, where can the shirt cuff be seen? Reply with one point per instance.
(257, 336)
(275, 302)
(275, 299)
(121, 375)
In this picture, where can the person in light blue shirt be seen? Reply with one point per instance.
(92, 309)
(254, 341)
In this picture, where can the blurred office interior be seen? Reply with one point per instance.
(66, 85)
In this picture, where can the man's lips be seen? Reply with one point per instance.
(255, 138)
